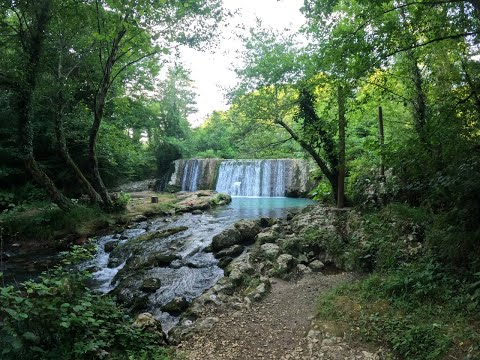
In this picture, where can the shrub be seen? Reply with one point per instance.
(57, 317)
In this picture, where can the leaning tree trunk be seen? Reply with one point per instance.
(24, 103)
(65, 154)
(92, 155)
(331, 175)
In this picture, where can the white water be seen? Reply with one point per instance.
(266, 178)
(191, 175)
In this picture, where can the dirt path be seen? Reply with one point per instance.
(278, 327)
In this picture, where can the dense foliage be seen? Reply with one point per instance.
(58, 317)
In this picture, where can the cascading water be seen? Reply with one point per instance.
(265, 178)
(191, 174)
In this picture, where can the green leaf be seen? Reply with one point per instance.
(65, 324)
(30, 336)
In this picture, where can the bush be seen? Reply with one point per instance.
(57, 317)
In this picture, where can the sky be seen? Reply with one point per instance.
(212, 71)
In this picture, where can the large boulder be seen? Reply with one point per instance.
(228, 237)
(248, 230)
(269, 251)
(231, 251)
(286, 263)
(268, 236)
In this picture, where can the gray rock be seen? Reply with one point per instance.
(232, 251)
(248, 230)
(269, 251)
(176, 306)
(151, 284)
(266, 237)
(197, 212)
(260, 291)
(226, 238)
(316, 265)
(286, 262)
(239, 268)
(302, 259)
(303, 269)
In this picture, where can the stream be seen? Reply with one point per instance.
(193, 270)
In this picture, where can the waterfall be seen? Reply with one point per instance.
(265, 178)
(191, 174)
(252, 178)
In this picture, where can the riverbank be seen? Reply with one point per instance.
(295, 277)
(32, 236)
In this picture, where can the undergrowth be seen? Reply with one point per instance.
(417, 301)
(57, 317)
(42, 221)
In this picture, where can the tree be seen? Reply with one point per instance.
(88, 52)
(282, 86)
(26, 25)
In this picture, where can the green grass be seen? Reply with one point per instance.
(43, 221)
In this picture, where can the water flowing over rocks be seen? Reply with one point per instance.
(271, 178)
(249, 312)
(162, 265)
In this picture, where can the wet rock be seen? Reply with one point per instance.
(266, 222)
(316, 265)
(269, 251)
(248, 230)
(152, 260)
(224, 262)
(286, 263)
(197, 212)
(230, 236)
(151, 284)
(134, 301)
(176, 306)
(109, 246)
(232, 251)
(266, 237)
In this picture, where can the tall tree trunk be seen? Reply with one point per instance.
(98, 112)
(419, 100)
(382, 143)
(419, 97)
(341, 148)
(24, 104)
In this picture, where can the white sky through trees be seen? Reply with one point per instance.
(212, 70)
